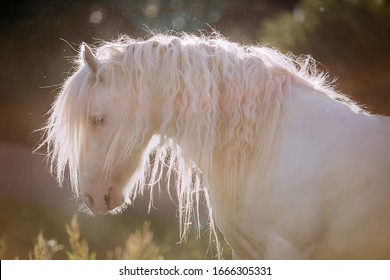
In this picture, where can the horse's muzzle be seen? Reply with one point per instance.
(100, 204)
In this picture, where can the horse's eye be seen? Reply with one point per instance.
(98, 121)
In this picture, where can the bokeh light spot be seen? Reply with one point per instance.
(298, 15)
(178, 23)
(152, 8)
(96, 16)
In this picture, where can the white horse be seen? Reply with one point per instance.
(289, 168)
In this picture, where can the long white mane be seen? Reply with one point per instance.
(195, 77)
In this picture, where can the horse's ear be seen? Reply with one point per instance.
(89, 58)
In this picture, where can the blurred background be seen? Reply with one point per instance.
(349, 38)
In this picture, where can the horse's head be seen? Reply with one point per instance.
(98, 130)
(115, 138)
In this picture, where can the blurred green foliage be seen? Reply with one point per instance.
(350, 38)
(355, 31)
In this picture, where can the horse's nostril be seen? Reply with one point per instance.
(88, 200)
(107, 198)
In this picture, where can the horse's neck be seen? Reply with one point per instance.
(204, 140)
(226, 164)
